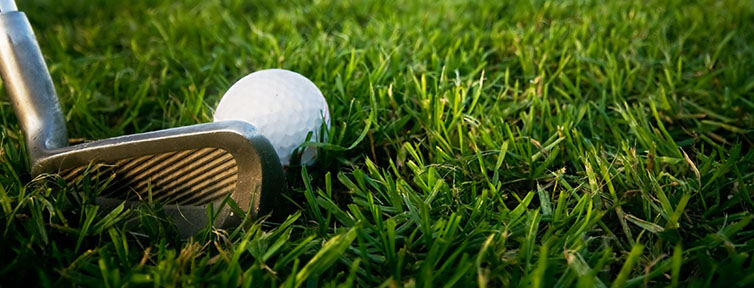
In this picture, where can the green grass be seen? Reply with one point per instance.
(529, 143)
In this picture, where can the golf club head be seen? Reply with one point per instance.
(187, 169)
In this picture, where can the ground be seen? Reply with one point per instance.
(474, 143)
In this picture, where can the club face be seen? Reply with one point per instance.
(186, 169)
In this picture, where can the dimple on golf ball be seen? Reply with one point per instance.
(283, 105)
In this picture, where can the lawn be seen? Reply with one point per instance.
(474, 143)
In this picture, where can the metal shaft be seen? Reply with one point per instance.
(29, 86)
(7, 6)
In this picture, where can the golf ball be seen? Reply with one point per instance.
(283, 105)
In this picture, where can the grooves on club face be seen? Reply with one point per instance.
(189, 177)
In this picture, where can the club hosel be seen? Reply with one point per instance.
(29, 86)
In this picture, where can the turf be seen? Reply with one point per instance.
(474, 143)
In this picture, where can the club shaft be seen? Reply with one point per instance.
(29, 86)
(7, 6)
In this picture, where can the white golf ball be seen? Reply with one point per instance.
(284, 105)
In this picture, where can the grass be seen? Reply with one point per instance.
(482, 143)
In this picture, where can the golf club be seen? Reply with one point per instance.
(187, 168)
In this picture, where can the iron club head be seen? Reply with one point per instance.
(186, 168)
